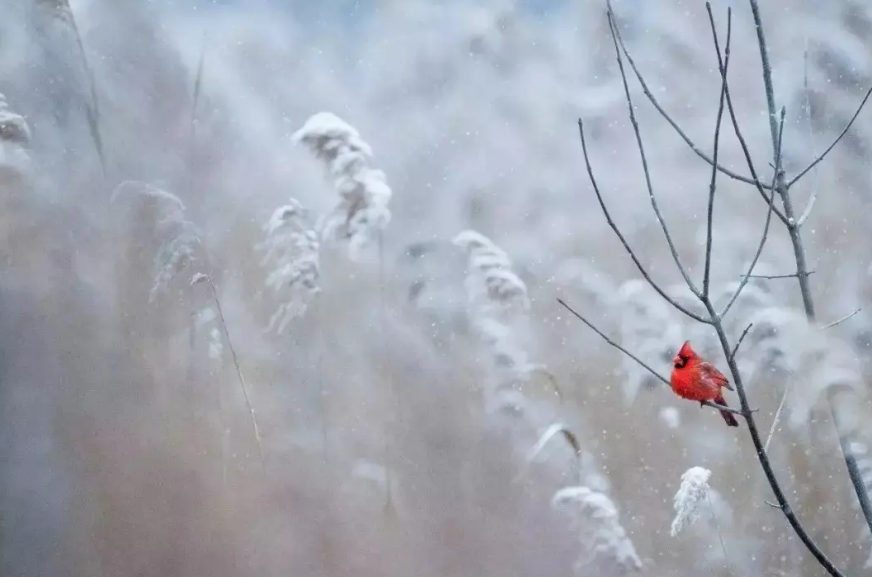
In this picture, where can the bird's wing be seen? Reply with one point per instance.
(713, 375)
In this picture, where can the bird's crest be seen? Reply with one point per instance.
(686, 351)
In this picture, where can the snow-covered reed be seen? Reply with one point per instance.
(290, 255)
(177, 236)
(692, 496)
(362, 212)
(497, 306)
(598, 523)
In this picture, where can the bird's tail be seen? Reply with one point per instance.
(727, 415)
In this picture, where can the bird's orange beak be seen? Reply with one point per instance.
(676, 360)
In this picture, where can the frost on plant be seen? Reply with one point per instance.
(601, 534)
(362, 212)
(178, 238)
(290, 255)
(491, 284)
(691, 496)
(14, 140)
(497, 307)
(648, 328)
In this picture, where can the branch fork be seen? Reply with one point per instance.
(778, 184)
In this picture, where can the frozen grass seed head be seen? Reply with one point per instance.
(362, 212)
(598, 523)
(692, 494)
(290, 255)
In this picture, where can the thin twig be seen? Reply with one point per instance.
(761, 188)
(841, 320)
(787, 389)
(641, 363)
(780, 184)
(621, 237)
(777, 174)
(814, 186)
(764, 237)
(778, 276)
(607, 339)
(767, 77)
(800, 531)
(712, 185)
(672, 122)
(739, 342)
(204, 277)
(763, 457)
(804, 288)
(719, 407)
(644, 159)
(841, 135)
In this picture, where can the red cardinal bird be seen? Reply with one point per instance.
(696, 379)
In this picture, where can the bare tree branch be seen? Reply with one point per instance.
(725, 408)
(607, 339)
(714, 318)
(641, 363)
(841, 320)
(671, 121)
(841, 135)
(739, 342)
(804, 285)
(620, 235)
(793, 229)
(746, 151)
(814, 187)
(776, 132)
(645, 170)
(849, 458)
(765, 234)
(198, 278)
(712, 185)
(787, 389)
(778, 276)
